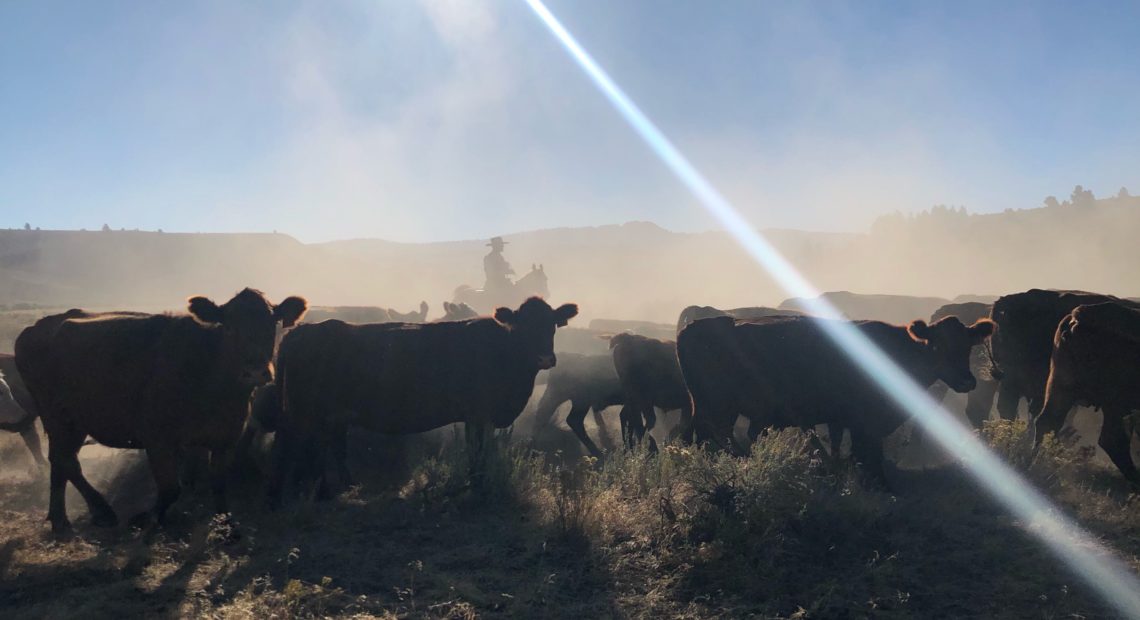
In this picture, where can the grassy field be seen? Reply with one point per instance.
(550, 534)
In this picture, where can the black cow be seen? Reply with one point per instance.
(696, 313)
(1023, 343)
(786, 372)
(650, 377)
(161, 383)
(400, 378)
(980, 400)
(1096, 362)
(590, 383)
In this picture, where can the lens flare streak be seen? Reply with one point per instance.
(1088, 559)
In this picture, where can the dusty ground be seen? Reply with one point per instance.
(678, 535)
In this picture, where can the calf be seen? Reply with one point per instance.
(589, 382)
(161, 383)
(786, 372)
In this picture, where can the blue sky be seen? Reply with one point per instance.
(423, 120)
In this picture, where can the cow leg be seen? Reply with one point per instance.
(980, 401)
(835, 437)
(1009, 395)
(338, 447)
(164, 468)
(1058, 402)
(576, 421)
(684, 426)
(31, 439)
(1117, 443)
(477, 434)
(938, 391)
(545, 409)
(64, 457)
(278, 468)
(650, 417)
(603, 432)
(220, 460)
(868, 451)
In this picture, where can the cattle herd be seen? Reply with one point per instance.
(218, 375)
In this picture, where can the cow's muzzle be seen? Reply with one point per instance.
(546, 362)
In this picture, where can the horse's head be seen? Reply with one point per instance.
(533, 283)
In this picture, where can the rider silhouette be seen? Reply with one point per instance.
(497, 268)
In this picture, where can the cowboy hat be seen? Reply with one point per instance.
(497, 241)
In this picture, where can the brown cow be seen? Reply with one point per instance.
(1023, 342)
(786, 372)
(26, 426)
(400, 378)
(589, 382)
(155, 382)
(1096, 362)
(650, 377)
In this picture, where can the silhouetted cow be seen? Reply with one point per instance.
(786, 372)
(1023, 342)
(409, 317)
(981, 399)
(642, 328)
(895, 309)
(400, 378)
(650, 377)
(365, 314)
(26, 425)
(457, 312)
(695, 313)
(589, 382)
(1096, 362)
(155, 382)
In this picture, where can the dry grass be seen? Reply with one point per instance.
(684, 533)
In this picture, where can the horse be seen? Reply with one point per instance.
(530, 285)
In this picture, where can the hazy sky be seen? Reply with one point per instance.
(431, 120)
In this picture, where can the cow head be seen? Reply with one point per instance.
(532, 329)
(948, 343)
(248, 324)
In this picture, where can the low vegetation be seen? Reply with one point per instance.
(683, 533)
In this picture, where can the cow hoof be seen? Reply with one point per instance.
(142, 520)
(104, 519)
(61, 529)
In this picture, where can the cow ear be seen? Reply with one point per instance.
(290, 310)
(919, 330)
(204, 310)
(505, 315)
(981, 329)
(564, 313)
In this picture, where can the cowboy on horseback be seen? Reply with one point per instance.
(497, 269)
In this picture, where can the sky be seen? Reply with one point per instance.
(422, 120)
